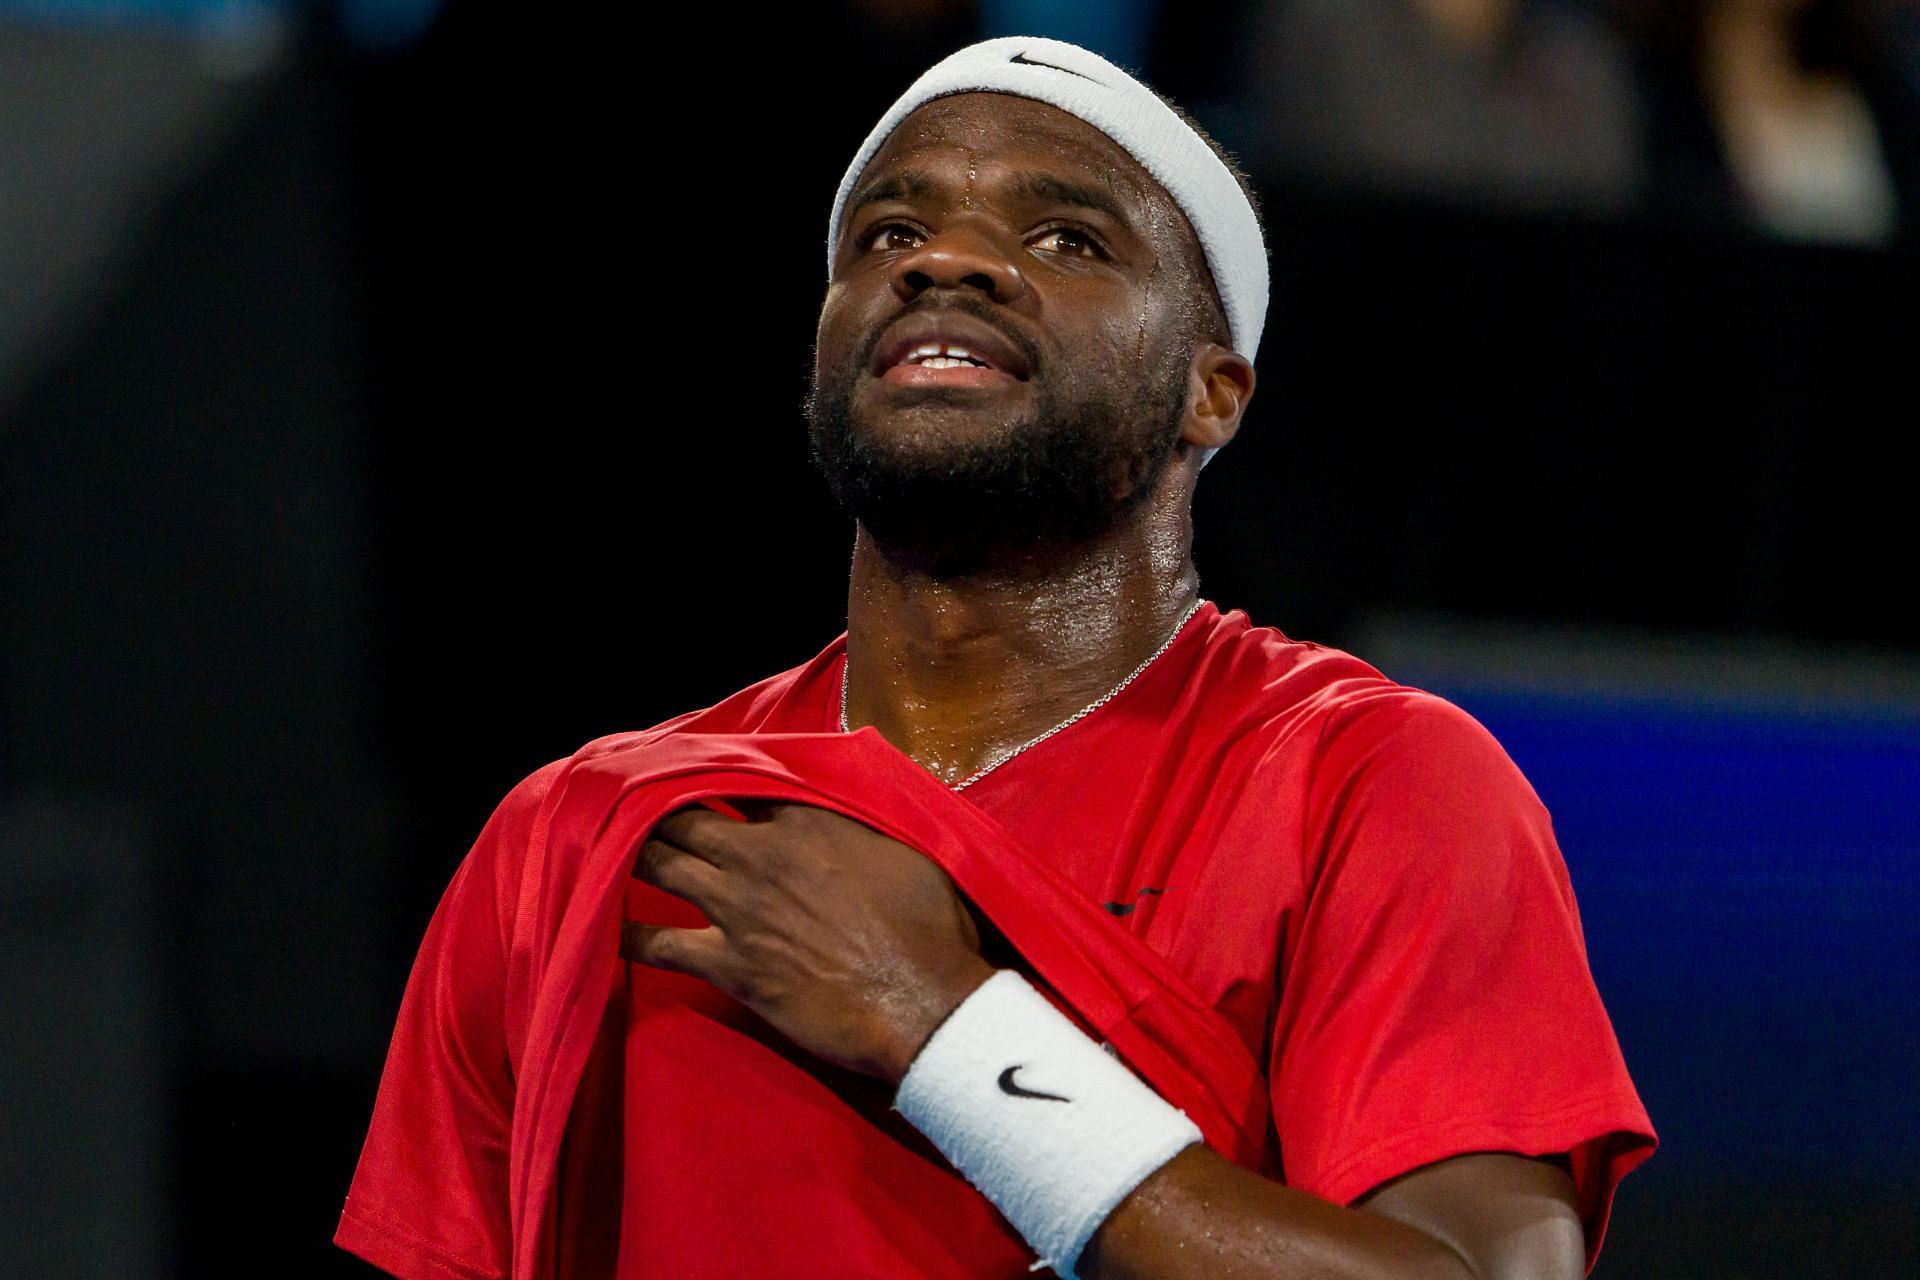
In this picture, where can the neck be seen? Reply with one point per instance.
(957, 671)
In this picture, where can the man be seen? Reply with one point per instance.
(1215, 954)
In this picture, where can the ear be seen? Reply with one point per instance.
(1218, 388)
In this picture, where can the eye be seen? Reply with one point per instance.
(1070, 241)
(894, 237)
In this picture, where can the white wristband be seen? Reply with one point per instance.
(1037, 1116)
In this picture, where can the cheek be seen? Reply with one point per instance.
(836, 337)
(831, 307)
(1128, 342)
(1171, 307)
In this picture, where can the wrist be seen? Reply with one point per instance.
(931, 1004)
(1044, 1122)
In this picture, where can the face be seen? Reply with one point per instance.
(1004, 355)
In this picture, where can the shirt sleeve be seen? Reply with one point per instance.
(1436, 998)
(429, 1197)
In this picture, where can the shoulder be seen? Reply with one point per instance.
(522, 813)
(1366, 756)
(783, 702)
(1380, 726)
(488, 880)
(1345, 706)
(1412, 794)
(795, 700)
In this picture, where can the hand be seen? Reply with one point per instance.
(853, 945)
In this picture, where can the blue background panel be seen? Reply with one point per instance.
(1749, 881)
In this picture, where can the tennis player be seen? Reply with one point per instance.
(1052, 917)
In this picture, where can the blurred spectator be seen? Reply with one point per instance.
(1119, 30)
(1527, 103)
(1799, 116)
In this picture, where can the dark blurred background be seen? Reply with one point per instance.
(395, 394)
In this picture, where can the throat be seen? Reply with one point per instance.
(965, 674)
(962, 739)
(958, 740)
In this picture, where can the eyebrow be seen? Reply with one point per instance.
(907, 184)
(1045, 186)
(912, 184)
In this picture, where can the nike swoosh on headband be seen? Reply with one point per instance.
(1025, 61)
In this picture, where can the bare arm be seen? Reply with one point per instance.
(1476, 1217)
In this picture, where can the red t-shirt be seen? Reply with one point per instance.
(1351, 872)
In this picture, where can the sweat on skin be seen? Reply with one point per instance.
(1023, 543)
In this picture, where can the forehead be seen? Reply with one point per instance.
(999, 128)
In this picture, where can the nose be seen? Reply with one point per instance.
(957, 258)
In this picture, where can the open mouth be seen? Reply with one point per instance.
(940, 355)
(948, 349)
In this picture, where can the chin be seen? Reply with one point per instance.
(926, 424)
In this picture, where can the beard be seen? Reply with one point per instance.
(1087, 452)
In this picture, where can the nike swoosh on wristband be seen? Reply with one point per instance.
(1025, 61)
(1008, 1087)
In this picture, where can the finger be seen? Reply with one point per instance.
(682, 874)
(702, 832)
(700, 952)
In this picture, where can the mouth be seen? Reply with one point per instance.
(929, 349)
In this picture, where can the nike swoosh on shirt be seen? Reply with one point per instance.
(1127, 908)
(1012, 1090)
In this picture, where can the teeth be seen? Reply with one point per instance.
(938, 355)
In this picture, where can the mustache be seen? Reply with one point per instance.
(984, 312)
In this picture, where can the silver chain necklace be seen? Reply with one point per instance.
(1073, 719)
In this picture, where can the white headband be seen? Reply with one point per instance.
(1088, 86)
